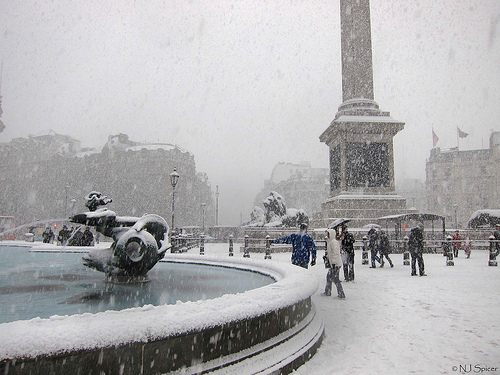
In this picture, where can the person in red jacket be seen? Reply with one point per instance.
(457, 243)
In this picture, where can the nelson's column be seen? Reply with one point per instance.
(360, 137)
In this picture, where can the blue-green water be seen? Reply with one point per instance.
(34, 284)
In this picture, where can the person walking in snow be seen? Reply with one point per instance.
(416, 246)
(467, 246)
(303, 247)
(385, 248)
(373, 245)
(457, 243)
(48, 235)
(76, 238)
(87, 237)
(333, 262)
(63, 235)
(496, 235)
(348, 254)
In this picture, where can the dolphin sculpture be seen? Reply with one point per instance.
(139, 242)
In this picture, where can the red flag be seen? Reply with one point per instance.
(461, 134)
(435, 139)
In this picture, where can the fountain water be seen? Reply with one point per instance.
(42, 284)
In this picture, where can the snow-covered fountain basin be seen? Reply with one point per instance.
(268, 328)
(50, 282)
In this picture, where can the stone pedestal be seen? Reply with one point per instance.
(362, 186)
(362, 209)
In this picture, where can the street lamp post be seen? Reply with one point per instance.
(66, 202)
(174, 177)
(203, 217)
(455, 207)
(217, 205)
(73, 202)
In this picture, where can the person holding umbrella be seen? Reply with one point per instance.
(374, 246)
(348, 253)
(333, 260)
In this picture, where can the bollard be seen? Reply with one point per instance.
(406, 251)
(246, 253)
(448, 248)
(268, 247)
(29, 237)
(493, 253)
(231, 245)
(173, 241)
(202, 244)
(364, 254)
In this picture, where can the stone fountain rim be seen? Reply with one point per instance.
(60, 334)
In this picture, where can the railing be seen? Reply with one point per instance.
(182, 243)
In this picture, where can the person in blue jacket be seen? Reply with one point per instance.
(303, 247)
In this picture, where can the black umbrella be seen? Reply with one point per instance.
(338, 222)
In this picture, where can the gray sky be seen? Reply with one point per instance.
(244, 84)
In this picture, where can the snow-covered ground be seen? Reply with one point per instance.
(392, 323)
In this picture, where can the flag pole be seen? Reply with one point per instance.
(435, 139)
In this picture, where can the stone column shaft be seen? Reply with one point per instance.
(357, 70)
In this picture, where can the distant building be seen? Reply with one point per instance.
(39, 148)
(40, 175)
(301, 186)
(413, 190)
(461, 182)
(284, 171)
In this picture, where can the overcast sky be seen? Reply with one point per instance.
(245, 84)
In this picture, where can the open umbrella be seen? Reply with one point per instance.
(370, 226)
(338, 222)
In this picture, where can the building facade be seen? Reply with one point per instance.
(461, 182)
(47, 177)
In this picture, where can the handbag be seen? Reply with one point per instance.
(327, 262)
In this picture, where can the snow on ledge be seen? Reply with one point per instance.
(58, 334)
(349, 118)
(365, 197)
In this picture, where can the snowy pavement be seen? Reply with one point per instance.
(393, 323)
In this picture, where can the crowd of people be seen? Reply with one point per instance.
(339, 251)
(379, 246)
(69, 237)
